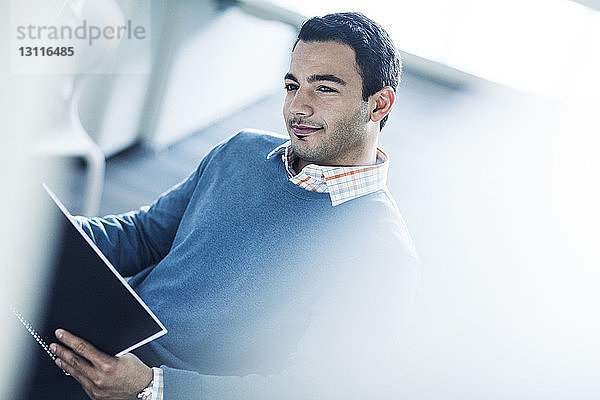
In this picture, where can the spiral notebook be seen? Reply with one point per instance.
(85, 294)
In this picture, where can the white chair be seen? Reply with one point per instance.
(70, 139)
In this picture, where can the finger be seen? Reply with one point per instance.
(83, 380)
(75, 362)
(81, 347)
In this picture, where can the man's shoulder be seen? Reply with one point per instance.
(377, 216)
(244, 146)
(249, 138)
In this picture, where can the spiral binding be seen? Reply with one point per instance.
(35, 335)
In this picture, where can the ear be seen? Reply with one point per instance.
(381, 102)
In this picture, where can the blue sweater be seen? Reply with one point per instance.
(267, 291)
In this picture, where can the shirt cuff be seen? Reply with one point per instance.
(157, 384)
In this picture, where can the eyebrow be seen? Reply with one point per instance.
(318, 78)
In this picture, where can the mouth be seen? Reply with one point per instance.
(304, 130)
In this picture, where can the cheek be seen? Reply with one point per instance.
(346, 116)
(286, 106)
(332, 112)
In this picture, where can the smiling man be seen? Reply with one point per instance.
(281, 268)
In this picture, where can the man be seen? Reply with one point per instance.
(280, 268)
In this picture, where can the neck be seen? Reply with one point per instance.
(365, 157)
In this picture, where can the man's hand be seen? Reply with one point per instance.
(102, 376)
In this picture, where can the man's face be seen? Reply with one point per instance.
(325, 114)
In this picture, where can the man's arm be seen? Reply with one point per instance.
(139, 239)
(343, 351)
(347, 349)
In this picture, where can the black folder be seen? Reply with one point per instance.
(85, 294)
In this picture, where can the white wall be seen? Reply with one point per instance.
(500, 191)
(112, 104)
(221, 70)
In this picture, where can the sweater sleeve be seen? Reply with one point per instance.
(347, 348)
(138, 239)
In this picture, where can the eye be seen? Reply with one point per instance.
(326, 89)
(290, 86)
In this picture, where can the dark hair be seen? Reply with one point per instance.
(378, 61)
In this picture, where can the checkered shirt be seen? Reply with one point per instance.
(157, 384)
(342, 183)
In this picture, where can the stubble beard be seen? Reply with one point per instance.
(347, 137)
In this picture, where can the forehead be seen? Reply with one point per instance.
(331, 57)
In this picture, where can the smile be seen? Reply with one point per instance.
(303, 130)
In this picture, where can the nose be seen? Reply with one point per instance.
(300, 104)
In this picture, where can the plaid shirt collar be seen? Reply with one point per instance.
(342, 183)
